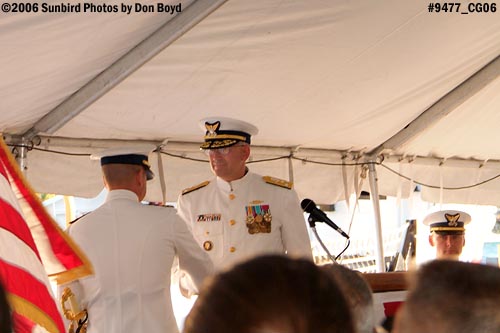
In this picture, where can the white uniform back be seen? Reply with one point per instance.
(132, 247)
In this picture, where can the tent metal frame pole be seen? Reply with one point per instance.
(22, 156)
(379, 244)
(444, 106)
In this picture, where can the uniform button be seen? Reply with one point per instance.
(208, 245)
(232, 249)
(232, 196)
(232, 222)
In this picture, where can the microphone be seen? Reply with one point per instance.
(318, 215)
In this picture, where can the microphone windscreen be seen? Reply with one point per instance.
(307, 205)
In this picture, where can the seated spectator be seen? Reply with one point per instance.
(271, 294)
(451, 297)
(359, 295)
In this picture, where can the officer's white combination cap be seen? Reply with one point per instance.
(136, 155)
(225, 132)
(447, 221)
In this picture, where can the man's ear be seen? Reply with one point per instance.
(141, 176)
(105, 182)
(431, 240)
(246, 152)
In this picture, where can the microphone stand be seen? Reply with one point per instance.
(312, 224)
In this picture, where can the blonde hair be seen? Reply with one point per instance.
(119, 175)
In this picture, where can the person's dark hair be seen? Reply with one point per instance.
(452, 296)
(5, 314)
(271, 293)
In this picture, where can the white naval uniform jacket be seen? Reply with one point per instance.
(132, 247)
(217, 214)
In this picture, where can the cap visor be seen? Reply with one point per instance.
(214, 144)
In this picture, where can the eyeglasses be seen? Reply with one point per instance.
(221, 151)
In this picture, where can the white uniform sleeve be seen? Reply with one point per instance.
(183, 210)
(192, 258)
(294, 230)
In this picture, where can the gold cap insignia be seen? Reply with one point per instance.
(452, 219)
(212, 128)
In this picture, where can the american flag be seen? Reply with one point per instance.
(32, 248)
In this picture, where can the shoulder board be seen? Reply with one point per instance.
(156, 204)
(278, 182)
(75, 220)
(196, 187)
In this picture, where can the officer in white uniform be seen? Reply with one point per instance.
(447, 232)
(239, 214)
(132, 247)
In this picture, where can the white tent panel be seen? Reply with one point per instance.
(323, 77)
(352, 66)
(469, 132)
(46, 57)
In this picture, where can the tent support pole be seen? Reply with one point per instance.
(379, 248)
(22, 156)
(444, 106)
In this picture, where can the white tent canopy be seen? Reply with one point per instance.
(326, 82)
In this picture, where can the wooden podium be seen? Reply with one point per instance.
(389, 292)
(382, 282)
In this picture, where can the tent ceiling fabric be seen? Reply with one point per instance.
(318, 76)
(46, 57)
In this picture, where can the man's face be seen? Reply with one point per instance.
(447, 246)
(229, 163)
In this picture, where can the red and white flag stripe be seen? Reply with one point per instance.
(32, 247)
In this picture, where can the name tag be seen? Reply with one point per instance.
(209, 218)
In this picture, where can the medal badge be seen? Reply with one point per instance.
(258, 219)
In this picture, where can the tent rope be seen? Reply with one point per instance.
(304, 160)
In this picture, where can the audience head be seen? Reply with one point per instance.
(271, 294)
(359, 295)
(452, 297)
